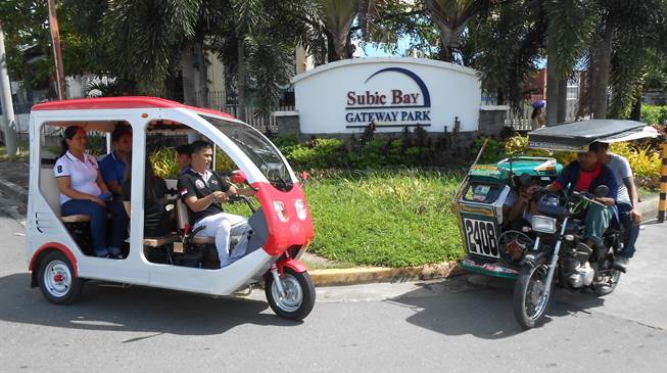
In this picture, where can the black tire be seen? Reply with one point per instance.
(301, 289)
(601, 290)
(529, 279)
(57, 281)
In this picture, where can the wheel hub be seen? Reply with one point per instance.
(292, 298)
(57, 278)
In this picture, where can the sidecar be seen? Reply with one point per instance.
(481, 206)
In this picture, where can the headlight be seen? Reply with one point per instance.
(544, 224)
(300, 209)
(279, 207)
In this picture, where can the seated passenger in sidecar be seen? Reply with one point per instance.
(521, 203)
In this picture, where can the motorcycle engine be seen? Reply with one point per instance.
(582, 274)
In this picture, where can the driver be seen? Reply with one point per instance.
(203, 190)
(584, 175)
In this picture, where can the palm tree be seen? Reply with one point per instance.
(452, 18)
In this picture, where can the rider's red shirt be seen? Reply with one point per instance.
(586, 178)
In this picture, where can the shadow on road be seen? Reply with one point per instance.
(136, 309)
(484, 310)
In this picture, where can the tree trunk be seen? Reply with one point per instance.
(552, 94)
(202, 90)
(8, 121)
(562, 101)
(602, 56)
(188, 74)
(637, 109)
(240, 79)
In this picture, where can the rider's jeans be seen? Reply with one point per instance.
(221, 227)
(598, 219)
(631, 230)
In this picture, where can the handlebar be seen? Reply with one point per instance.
(241, 198)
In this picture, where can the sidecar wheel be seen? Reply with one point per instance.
(530, 297)
(299, 297)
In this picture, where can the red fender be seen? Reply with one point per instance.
(293, 264)
(56, 246)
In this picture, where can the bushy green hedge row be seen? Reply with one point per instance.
(654, 115)
(408, 150)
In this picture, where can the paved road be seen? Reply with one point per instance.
(460, 325)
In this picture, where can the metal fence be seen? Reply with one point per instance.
(220, 100)
(520, 120)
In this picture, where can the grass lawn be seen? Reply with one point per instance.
(384, 218)
(22, 153)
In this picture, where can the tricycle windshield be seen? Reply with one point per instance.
(260, 150)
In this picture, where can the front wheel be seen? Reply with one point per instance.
(531, 298)
(57, 281)
(298, 299)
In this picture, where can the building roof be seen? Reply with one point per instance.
(124, 102)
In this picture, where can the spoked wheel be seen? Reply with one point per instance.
(608, 284)
(57, 281)
(298, 298)
(531, 298)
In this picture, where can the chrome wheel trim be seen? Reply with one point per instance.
(57, 278)
(293, 294)
(536, 298)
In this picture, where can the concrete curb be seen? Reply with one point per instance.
(364, 275)
(649, 208)
(14, 191)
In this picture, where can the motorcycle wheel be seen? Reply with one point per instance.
(530, 298)
(604, 289)
(299, 297)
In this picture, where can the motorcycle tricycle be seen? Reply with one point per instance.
(547, 250)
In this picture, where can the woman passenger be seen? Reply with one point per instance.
(82, 190)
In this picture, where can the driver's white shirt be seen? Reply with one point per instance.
(83, 175)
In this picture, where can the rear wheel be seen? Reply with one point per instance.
(298, 299)
(531, 298)
(57, 280)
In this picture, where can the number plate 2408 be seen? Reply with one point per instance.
(481, 237)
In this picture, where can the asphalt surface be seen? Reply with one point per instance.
(464, 324)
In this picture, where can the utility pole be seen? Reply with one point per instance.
(57, 53)
(9, 123)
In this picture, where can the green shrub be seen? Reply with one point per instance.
(164, 163)
(654, 115)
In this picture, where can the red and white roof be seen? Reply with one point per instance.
(125, 102)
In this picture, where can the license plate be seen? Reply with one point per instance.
(481, 237)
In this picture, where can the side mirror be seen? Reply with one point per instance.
(238, 177)
(601, 191)
(304, 177)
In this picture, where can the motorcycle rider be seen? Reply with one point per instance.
(628, 200)
(584, 175)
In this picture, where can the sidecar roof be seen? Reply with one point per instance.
(578, 136)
